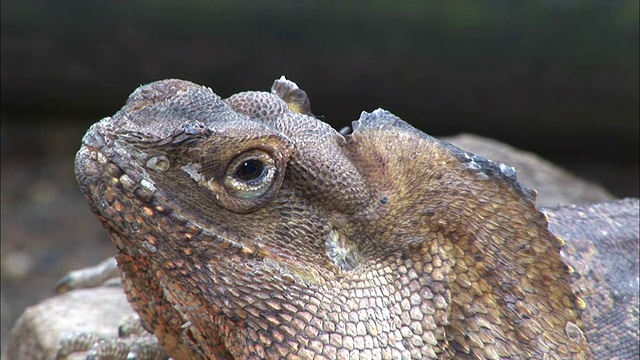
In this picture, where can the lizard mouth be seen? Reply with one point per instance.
(124, 199)
(136, 213)
(143, 225)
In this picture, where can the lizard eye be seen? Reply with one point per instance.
(250, 174)
(250, 170)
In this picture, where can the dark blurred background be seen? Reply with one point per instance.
(559, 78)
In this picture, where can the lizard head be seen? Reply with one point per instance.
(246, 220)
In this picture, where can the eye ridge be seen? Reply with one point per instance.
(250, 169)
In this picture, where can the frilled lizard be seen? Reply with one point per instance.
(247, 228)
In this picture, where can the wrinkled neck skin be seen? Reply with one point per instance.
(384, 243)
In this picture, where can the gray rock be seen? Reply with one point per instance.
(41, 327)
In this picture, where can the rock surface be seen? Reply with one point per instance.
(38, 331)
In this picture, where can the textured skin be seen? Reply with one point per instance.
(602, 248)
(383, 243)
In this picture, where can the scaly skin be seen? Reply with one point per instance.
(245, 230)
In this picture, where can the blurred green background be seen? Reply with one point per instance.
(559, 78)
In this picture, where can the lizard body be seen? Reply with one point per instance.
(247, 230)
(602, 249)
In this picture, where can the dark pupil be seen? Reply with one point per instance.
(250, 170)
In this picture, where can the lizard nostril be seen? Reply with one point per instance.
(159, 163)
